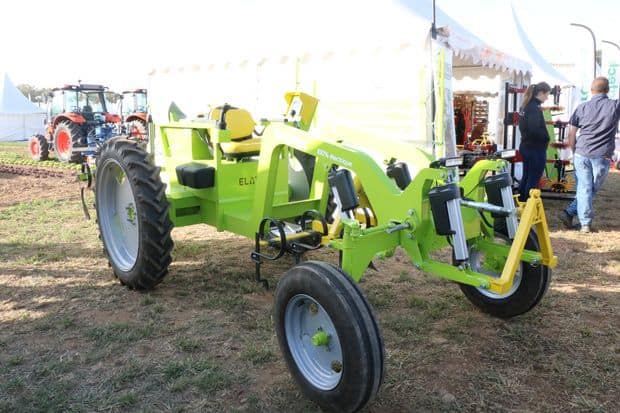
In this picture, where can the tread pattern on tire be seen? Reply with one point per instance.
(370, 318)
(44, 151)
(154, 251)
(343, 286)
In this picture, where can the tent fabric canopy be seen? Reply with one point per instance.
(19, 118)
(464, 43)
(331, 28)
(368, 64)
(541, 68)
(508, 34)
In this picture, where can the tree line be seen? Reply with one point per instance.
(36, 94)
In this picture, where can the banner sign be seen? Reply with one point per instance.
(611, 70)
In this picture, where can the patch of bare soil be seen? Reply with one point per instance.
(23, 183)
(73, 339)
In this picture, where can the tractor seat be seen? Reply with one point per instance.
(241, 126)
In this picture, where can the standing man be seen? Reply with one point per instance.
(597, 121)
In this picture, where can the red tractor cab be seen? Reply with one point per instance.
(77, 122)
(133, 111)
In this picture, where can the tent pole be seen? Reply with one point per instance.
(593, 41)
(433, 26)
(433, 103)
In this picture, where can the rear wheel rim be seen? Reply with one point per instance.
(63, 142)
(118, 216)
(136, 130)
(322, 364)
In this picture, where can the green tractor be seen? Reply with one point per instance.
(291, 192)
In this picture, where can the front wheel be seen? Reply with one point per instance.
(529, 286)
(329, 336)
(38, 148)
(67, 136)
(132, 214)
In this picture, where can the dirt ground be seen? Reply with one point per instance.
(73, 339)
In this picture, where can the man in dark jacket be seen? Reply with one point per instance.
(597, 121)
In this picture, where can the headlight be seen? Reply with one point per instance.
(447, 162)
(452, 162)
(511, 153)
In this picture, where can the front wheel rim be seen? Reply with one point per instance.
(34, 148)
(476, 259)
(313, 342)
(117, 214)
(63, 142)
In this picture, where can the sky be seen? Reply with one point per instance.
(117, 43)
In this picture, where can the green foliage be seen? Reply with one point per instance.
(120, 333)
(188, 344)
(35, 94)
(199, 373)
(258, 355)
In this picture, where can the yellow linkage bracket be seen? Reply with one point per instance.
(532, 214)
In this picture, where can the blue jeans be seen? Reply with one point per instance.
(590, 173)
(534, 161)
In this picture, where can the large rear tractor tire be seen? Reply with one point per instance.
(38, 147)
(132, 214)
(67, 136)
(530, 282)
(329, 336)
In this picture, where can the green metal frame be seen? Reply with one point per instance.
(247, 191)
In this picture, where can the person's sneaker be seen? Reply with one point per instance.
(566, 219)
(585, 229)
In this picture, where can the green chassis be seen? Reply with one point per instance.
(247, 191)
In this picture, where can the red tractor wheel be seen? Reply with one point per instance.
(38, 147)
(66, 136)
(137, 130)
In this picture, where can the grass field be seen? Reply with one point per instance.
(73, 339)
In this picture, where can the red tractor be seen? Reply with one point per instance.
(133, 110)
(77, 123)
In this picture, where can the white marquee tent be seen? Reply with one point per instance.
(368, 62)
(520, 45)
(19, 118)
(508, 33)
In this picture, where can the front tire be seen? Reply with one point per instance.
(67, 136)
(329, 336)
(132, 214)
(530, 283)
(38, 148)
